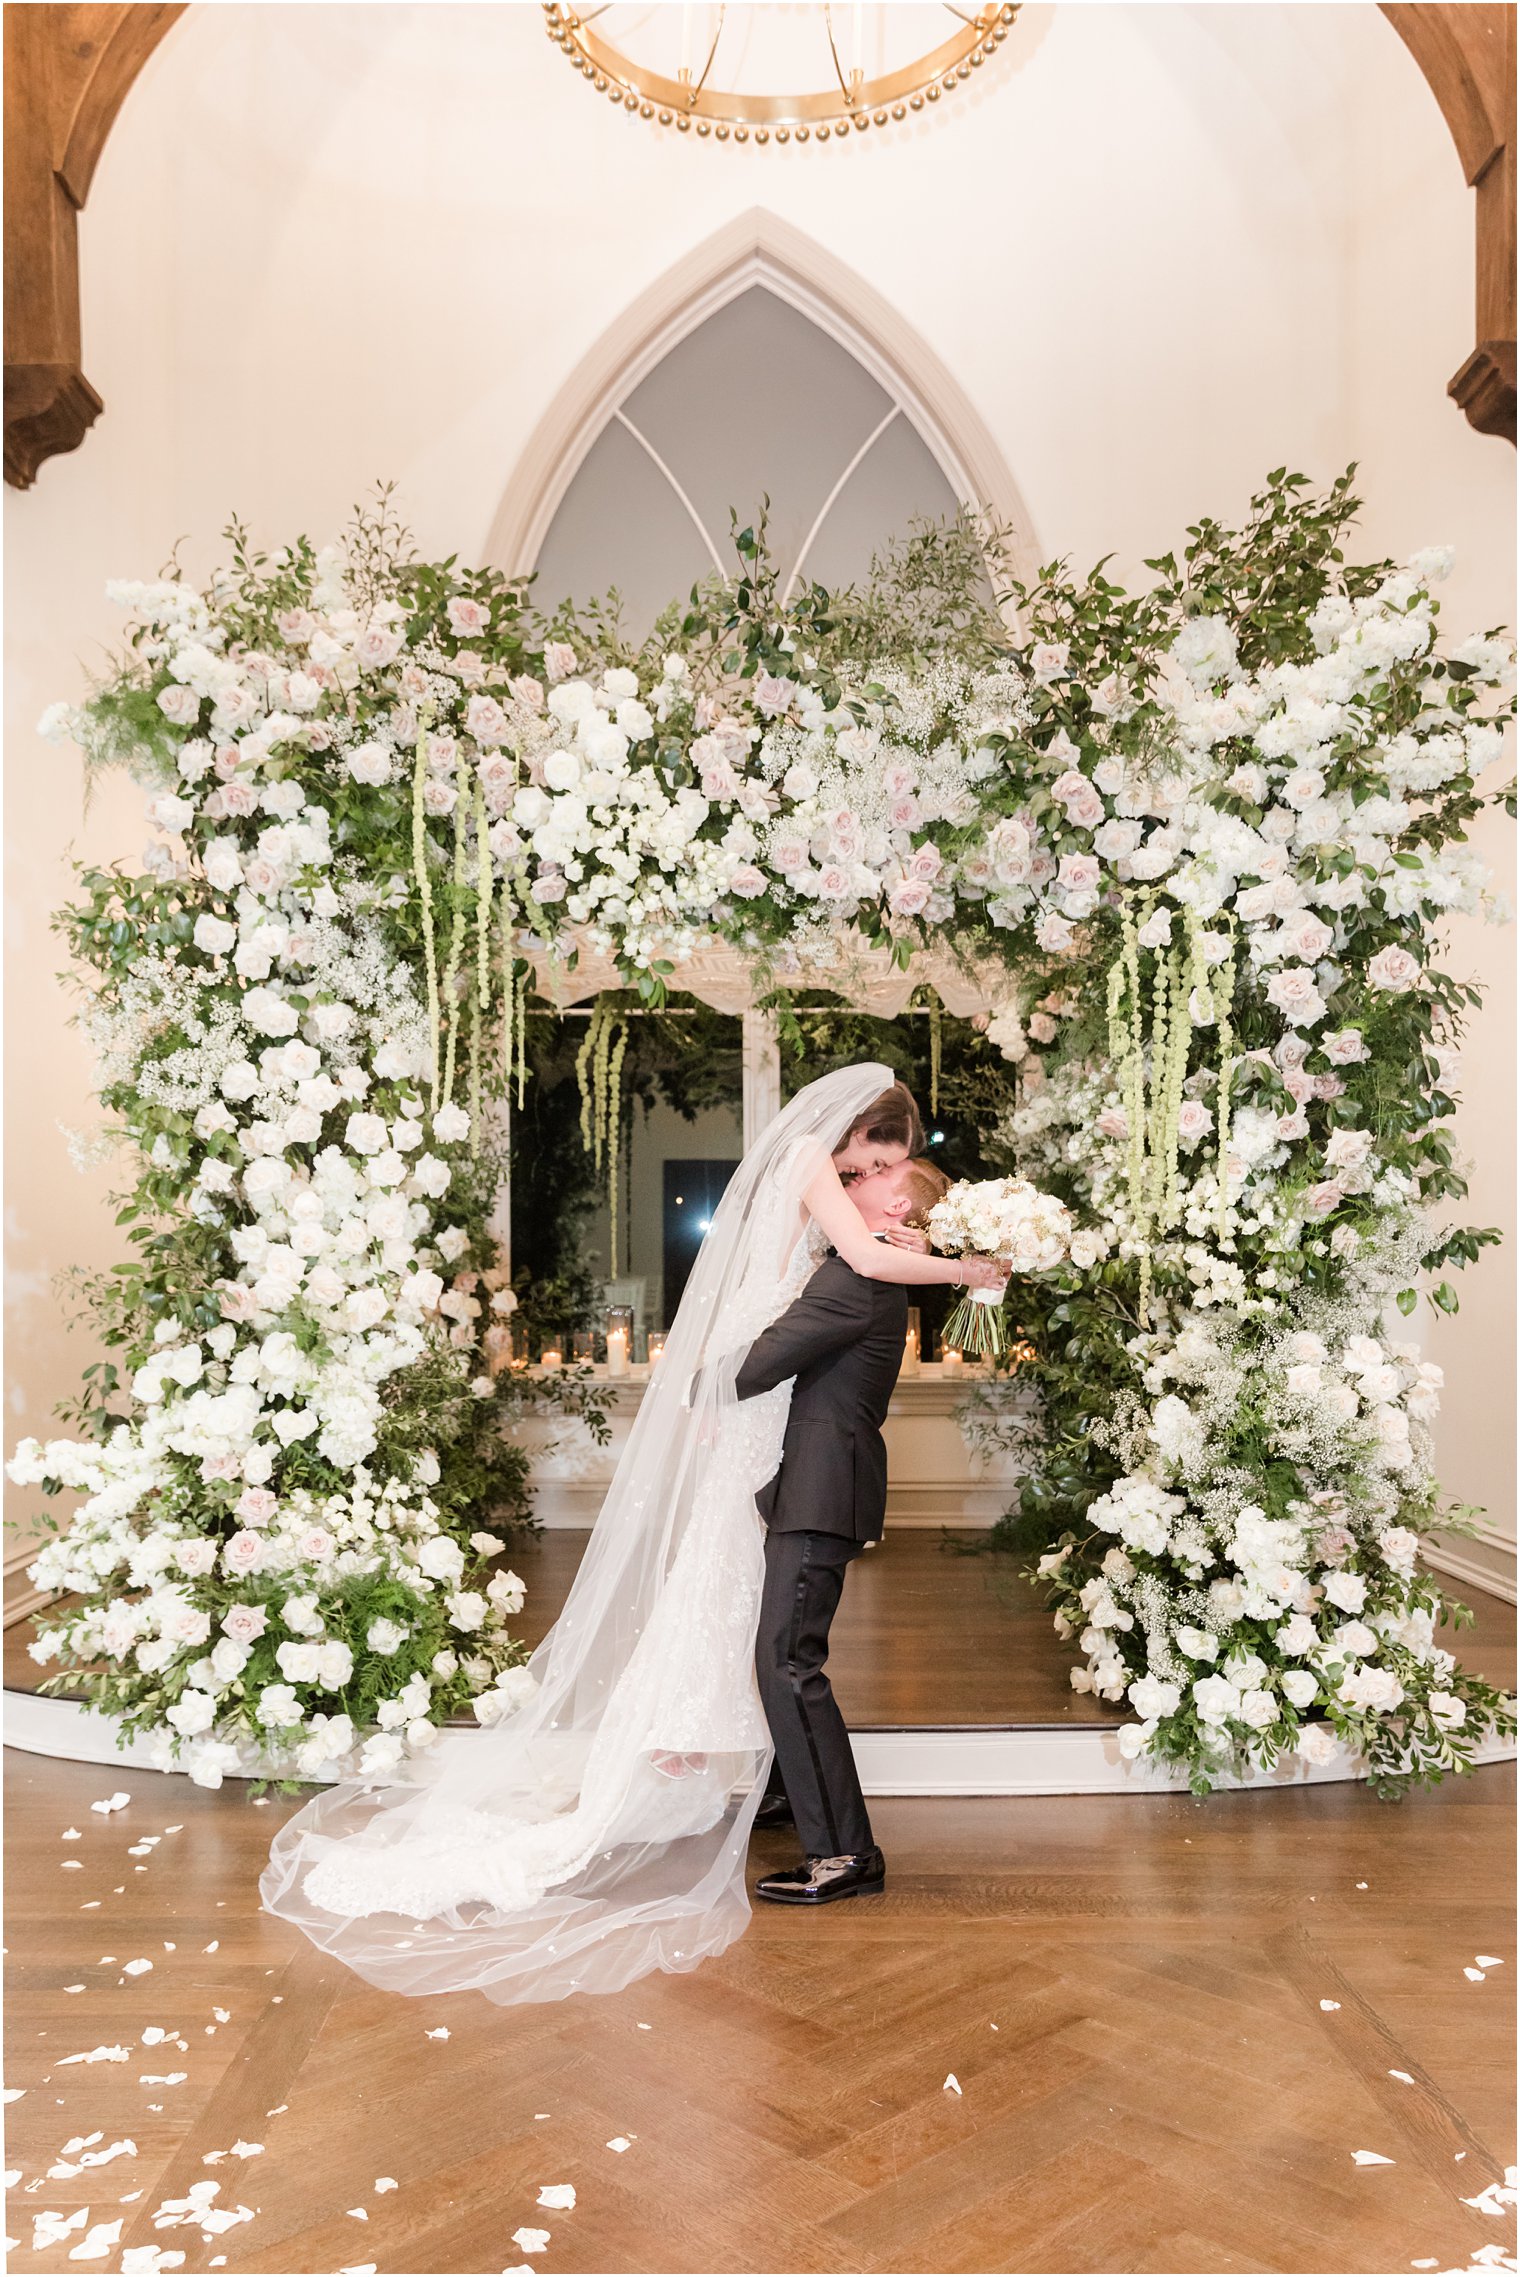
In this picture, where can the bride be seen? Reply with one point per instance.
(599, 1829)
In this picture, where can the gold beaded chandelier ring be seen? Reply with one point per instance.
(691, 102)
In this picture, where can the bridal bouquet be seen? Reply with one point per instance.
(1010, 1220)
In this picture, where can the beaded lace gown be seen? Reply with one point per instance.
(552, 1853)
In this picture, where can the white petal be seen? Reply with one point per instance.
(559, 2197)
(1476, 1975)
(386, 2182)
(1488, 1961)
(952, 2083)
(1329, 2004)
(1371, 2158)
(358, 2213)
(1405, 2076)
(531, 2241)
(441, 2033)
(620, 2143)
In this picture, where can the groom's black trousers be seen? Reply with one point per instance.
(804, 1575)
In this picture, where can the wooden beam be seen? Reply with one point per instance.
(67, 71)
(1467, 53)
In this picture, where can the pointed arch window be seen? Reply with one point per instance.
(757, 400)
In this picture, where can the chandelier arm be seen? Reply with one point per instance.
(828, 25)
(711, 53)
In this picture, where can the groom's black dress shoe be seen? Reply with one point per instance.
(774, 1810)
(818, 1881)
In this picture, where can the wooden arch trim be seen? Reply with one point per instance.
(67, 72)
(1467, 54)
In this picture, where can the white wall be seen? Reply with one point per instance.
(1162, 249)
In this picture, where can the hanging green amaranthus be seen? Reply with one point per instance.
(599, 1073)
(1153, 1073)
(1224, 1001)
(456, 933)
(425, 897)
(614, 1133)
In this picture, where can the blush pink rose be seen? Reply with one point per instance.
(908, 897)
(1394, 969)
(485, 720)
(747, 881)
(466, 616)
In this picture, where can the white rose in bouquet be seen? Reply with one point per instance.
(1010, 1220)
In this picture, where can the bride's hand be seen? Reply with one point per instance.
(908, 1237)
(983, 1273)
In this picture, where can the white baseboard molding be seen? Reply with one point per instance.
(1035, 1760)
(1026, 1760)
(1484, 1561)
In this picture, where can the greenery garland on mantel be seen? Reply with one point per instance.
(1210, 830)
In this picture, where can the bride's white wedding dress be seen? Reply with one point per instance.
(552, 1853)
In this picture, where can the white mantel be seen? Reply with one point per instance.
(932, 1478)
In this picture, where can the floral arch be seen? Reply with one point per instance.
(1202, 838)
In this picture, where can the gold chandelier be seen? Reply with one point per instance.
(691, 101)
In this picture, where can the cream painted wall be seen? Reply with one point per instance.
(1162, 248)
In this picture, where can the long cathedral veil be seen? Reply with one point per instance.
(489, 1818)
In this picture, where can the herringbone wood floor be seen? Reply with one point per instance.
(1128, 1990)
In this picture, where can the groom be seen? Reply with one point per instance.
(842, 1340)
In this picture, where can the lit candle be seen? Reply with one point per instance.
(912, 1348)
(552, 1359)
(617, 1352)
(656, 1350)
(950, 1359)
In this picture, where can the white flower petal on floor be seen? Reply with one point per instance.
(1488, 1961)
(1330, 2004)
(620, 2143)
(102, 2055)
(50, 2229)
(97, 2242)
(1371, 2158)
(1475, 1975)
(558, 2196)
(384, 2182)
(952, 2083)
(531, 2241)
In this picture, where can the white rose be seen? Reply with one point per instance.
(370, 763)
(279, 1708)
(1347, 1590)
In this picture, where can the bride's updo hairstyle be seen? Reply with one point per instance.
(890, 1120)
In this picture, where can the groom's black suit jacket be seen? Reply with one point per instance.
(842, 1340)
